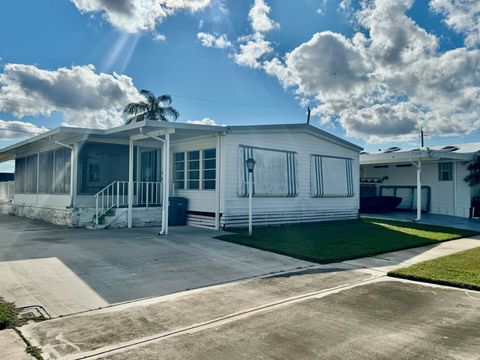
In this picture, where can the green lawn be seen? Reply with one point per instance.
(326, 242)
(461, 270)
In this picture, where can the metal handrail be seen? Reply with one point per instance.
(114, 195)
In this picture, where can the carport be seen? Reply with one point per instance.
(420, 176)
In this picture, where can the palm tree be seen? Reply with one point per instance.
(154, 108)
(474, 167)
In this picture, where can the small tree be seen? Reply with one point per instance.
(474, 167)
(153, 108)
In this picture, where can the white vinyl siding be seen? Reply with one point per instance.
(331, 176)
(303, 145)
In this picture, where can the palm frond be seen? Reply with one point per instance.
(147, 94)
(165, 100)
(136, 108)
(170, 112)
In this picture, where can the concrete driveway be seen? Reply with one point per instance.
(71, 270)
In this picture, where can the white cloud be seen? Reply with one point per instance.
(137, 15)
(159, 37)
(382, 84)
(86, 98)
(204, 121)
(14, 129)
(259, 17)
(252, 50)
(214, 40)
(461, 15)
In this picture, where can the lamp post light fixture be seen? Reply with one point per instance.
(250, 163)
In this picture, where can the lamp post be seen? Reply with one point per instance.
(250, 165)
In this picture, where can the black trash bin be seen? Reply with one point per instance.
(177, 211)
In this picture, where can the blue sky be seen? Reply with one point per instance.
(364, 69)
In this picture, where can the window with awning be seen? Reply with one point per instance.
(275, 173)
(331, 176)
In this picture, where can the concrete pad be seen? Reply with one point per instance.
(398, 259)
(48, 283)
(79, 334)
(12, 346)
(382, 320)
(118, 265)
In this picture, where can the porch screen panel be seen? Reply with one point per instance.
(31, 167)
(331, 176)
(45, 175)
(61, 171)
(19, 175)
(274, 175)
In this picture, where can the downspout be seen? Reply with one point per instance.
(73, 169)
(163, 230)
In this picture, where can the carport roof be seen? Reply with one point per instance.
(68, 135)
(461, 152)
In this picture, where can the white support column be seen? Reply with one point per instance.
(166, 179)
(217, 183)
(419, 191)
(73, 173)
(454, 170)
(130, 184)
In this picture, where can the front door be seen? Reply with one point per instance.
(148, 186)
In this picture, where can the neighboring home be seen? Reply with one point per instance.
(7, 188)
(4, 176)
(74, 176)
(438, 170)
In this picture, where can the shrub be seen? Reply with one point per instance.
(8, 314)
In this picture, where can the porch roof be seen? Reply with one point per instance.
(179, 131)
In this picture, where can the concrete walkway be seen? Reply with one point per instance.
(431, 219)
(12, 346)
(124, 331)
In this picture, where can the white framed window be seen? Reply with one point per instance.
(445, 171)
(331, 176)
(179, 170)
(195, 170)
(209, 158)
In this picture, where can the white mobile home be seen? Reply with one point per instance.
(77, 177)
(439, 172)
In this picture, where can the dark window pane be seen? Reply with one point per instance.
(193, 175)
(209, 184)
(209, 154)
(179, 175)
(193, 155)
(193, 165)
(193, 185)
(209, 174)
(209, 164)
(180, 184)
(179, 166)
(180, 156)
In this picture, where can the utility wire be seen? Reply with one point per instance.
(225, 102)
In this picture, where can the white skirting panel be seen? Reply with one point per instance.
(287, 217)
